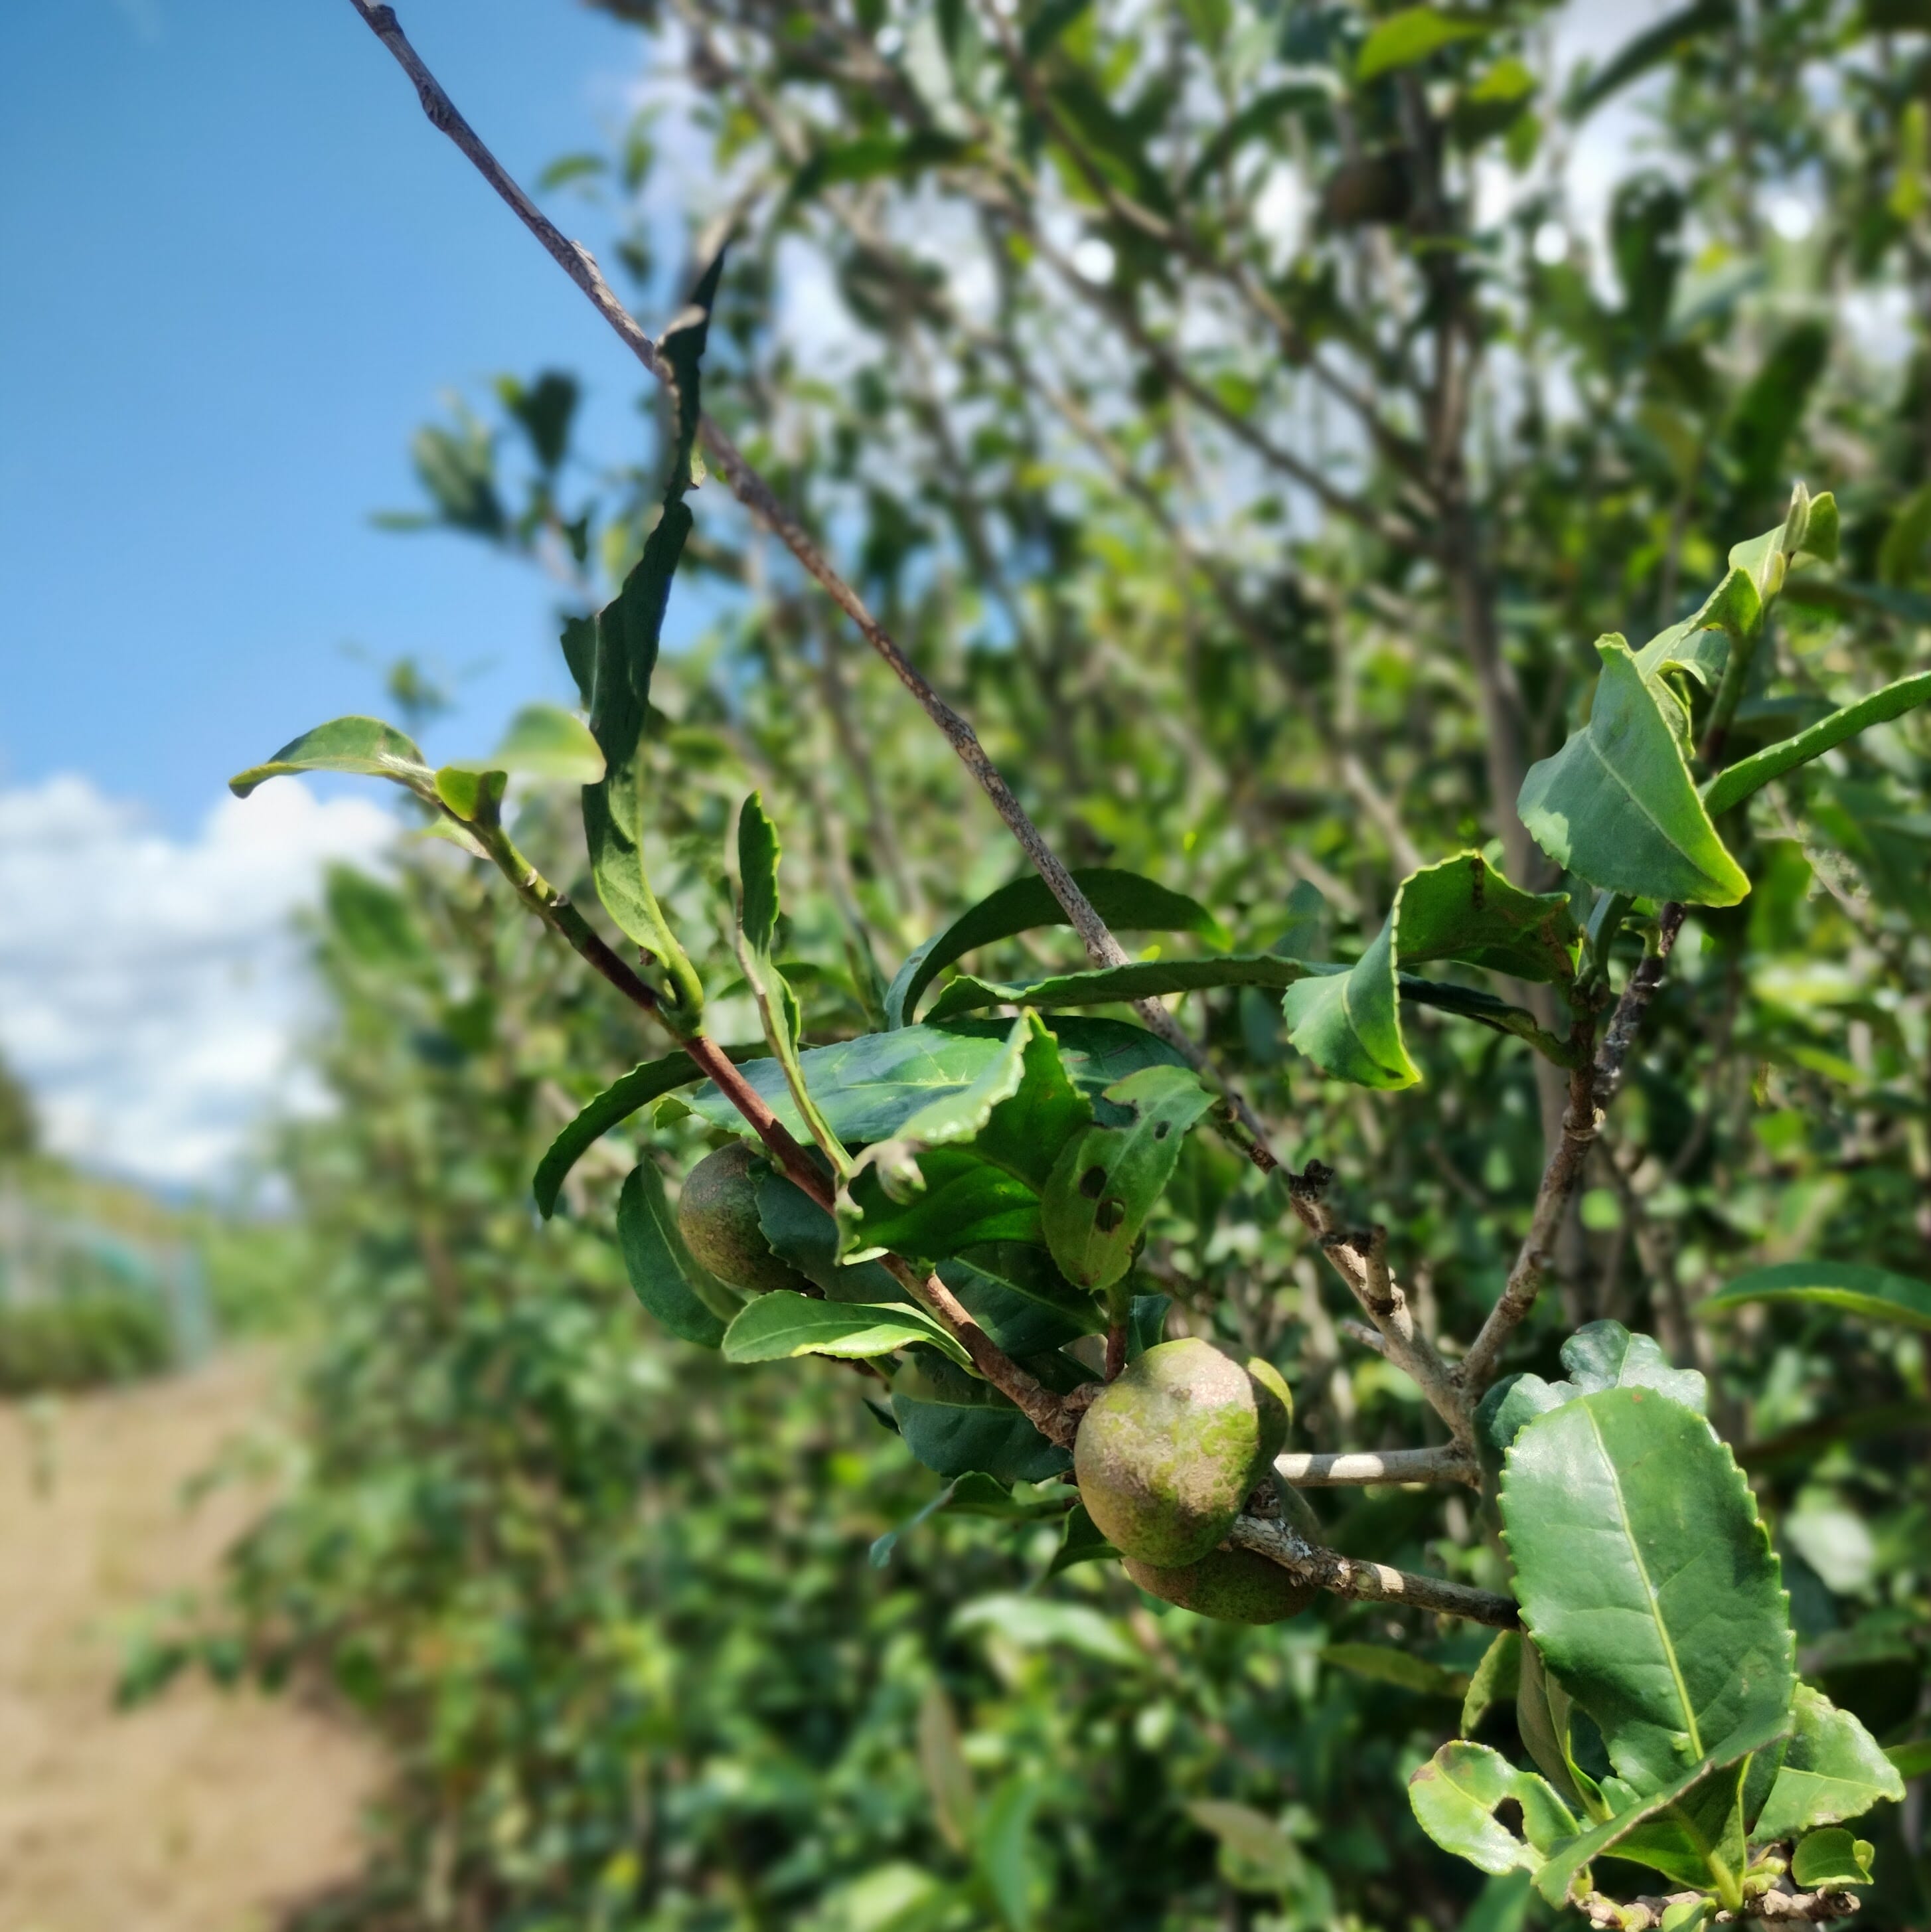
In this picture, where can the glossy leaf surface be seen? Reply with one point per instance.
(778, 1326)
(1647, 1581)
(365, 746)
(954, 1423)
(870, 1087)
(1832, 1770)
(1348, 1022)
(1616, 803)
(690, 1302)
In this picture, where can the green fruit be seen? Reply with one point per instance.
(717, 1215)
(1238, 1586)
(1166, 1456)
(1277, 1405)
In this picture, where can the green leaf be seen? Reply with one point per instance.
(1082, 1542)
(1698, 1839)
(364, 746)
(1258, 1853)
(1384, 1664)
(1106, 1182)
(954, 1424)
(1653, 46)
(543, 741)
(1832, 1770)
(1035, 1623)
(1828, 1860)
(869, 1088)
(1348, 1023)
(1412, 35)
(1124, 900)
(1142, 979)
(692, 1303)
(1912, 1759)
(682, 347)
(1454, 1797)
(1544, 1714)
(1647, 1581)
(780, 1325)
(972, 1495)
(471, 794)
(1571, 1858)
(1497, 1680)
(1730, 787)
(797, 1230)
(628, 629)
(1616, 803)
(615, 1105)
(1014, 1292)
(757, 853)
(1874, 1293)
(1002, 1850)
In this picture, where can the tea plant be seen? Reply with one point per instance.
(956, 1204)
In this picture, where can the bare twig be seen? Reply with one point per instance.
(1375, 1582)
(749, 487)
(1591, 1088)
(1361, 1260)
(1355, 1467)
(1776, 1906)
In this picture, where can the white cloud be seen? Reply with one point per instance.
(151, 988)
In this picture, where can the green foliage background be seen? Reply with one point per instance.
(1275, 639)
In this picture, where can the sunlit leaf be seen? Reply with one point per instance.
(364, 746)
(777, 1326)
(1832, 1770)
(1455, 1796)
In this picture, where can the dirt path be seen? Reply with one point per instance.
(203, 1811)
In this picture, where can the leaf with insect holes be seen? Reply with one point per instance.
(779, 1325)
(668, 1279)
(1647, 1581)
(365, 746)
(1454, 1797)
(1616, 804)
(1126, 901)
(1106, 1179)
(1347, 1020)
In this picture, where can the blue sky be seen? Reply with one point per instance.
(240, 266)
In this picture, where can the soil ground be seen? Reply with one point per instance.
(204, 1811)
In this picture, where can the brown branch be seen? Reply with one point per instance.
(1374, 1582)
(1591, 1088)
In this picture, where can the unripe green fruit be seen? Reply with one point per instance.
(717, 1215)
(1277, 1406)
(1166, 1455)
(1238, 1586)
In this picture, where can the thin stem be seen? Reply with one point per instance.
(1375, 1583)
(751, 489)
(1044, 1409)
(1591, 1088)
